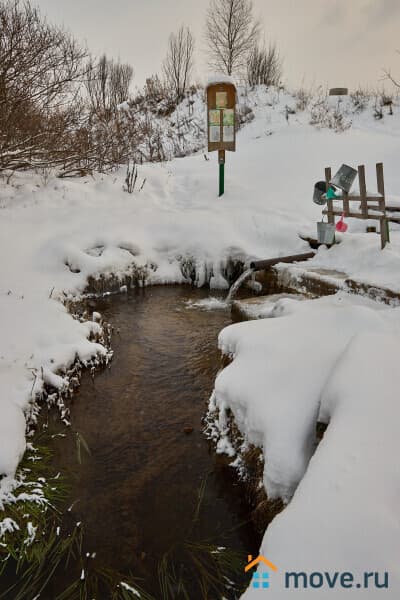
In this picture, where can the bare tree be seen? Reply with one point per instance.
(387, 74)
(38, 61)
(264, 65)
(230, 33)
(41, 67)
(107, 84)
(178, 63)
(58, 107)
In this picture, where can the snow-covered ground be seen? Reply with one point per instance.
(332, 360)
(55, 233)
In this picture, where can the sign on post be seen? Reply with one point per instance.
(221, 120)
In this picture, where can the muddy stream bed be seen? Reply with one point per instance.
(137, 491)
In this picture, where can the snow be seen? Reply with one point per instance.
(38, 338)
(210, 304)
(214, 78)
(357, 256)
(124, 106)
(31, 530)
(341, 352)
(55, 234)
(278, 412)
(7, 526)
(131, 589)
(267, 306)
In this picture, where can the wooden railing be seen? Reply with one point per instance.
(371, 206)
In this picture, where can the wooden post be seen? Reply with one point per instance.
(381, 186)
(328, 177)
(363, 191)
(346, 205)
(384, 223)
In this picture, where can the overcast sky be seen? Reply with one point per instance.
(328, 42)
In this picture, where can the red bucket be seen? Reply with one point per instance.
(341, 225)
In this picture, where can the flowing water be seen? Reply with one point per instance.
(236, 286)
(136, 492)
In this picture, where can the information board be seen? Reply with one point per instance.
(221, 116)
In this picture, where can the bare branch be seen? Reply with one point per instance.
(389, 77)
(107, 85)
(178, 63)
(264, 66)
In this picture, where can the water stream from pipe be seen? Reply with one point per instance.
(235, 287)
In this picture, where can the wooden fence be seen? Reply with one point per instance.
(370, 205)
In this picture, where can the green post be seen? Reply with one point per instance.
(221, 178)
(221, 160)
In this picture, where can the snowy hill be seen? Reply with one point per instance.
(183, 131)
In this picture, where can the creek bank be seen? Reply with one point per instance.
(296, 389)
(314, 282)
(282, 283)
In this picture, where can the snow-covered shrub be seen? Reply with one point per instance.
(303, 98)
(245, 114)
(360, 99)
(387, 99)
(333, 116)
(378, 112)
(156, 97)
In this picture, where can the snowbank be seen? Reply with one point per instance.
(357, 256)
(333, 360)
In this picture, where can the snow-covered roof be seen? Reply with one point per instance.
(219, 78)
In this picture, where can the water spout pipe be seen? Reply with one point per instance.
(261, 265)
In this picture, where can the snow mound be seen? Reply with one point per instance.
(332, 360)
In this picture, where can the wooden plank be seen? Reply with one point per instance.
(374, 212)
(353, 215)
(377, 208)
(392, 208)
(358, 199)
(370, 196)
(328, 177)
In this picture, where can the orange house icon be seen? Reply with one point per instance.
(252, 563)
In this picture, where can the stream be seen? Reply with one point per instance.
(137, 491)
